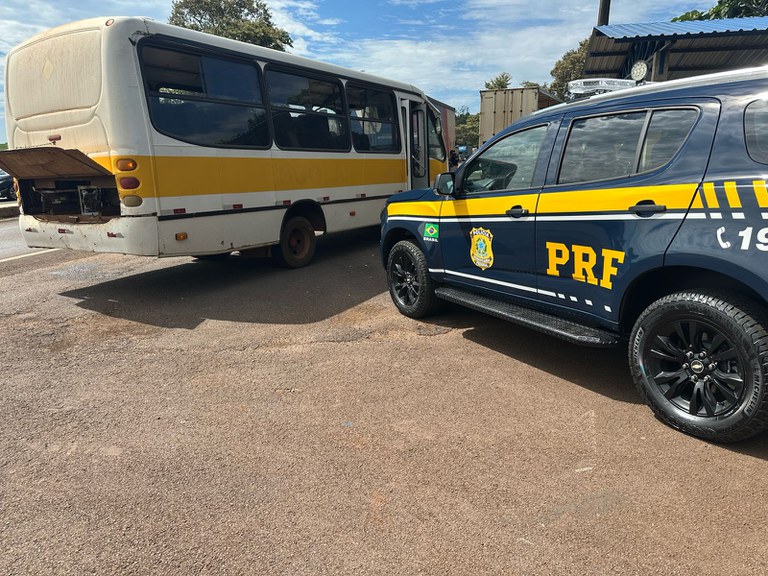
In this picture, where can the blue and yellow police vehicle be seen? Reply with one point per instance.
(637, 218)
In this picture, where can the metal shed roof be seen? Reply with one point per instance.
(677, 49)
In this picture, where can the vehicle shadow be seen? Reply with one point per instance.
(604, 371)
(346, 272)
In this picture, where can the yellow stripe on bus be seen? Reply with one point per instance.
(191, 176)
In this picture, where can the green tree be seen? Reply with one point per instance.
(690, 15)
(467, 128)
(569, 67)
(501, 82)
(245, 20)
(728, 9)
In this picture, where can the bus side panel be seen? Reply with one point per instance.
(219, 233)
(193, 179)
(353, 215)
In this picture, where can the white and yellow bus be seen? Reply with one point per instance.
(131, 136)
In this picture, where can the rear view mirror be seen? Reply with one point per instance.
(444, 183)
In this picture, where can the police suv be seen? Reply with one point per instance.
(637, 216)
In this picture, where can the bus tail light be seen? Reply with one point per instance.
(126, 164)
(132, 201)
(129, 183)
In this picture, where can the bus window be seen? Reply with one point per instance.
(373, 118)
(307, 113)
(204, 100)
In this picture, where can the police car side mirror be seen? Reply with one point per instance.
(444, 183)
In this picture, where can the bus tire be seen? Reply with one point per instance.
(297, 243)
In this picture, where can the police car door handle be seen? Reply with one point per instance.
(647, 207)
(517, 211)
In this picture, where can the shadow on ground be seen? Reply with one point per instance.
(346, 272)
(603, 371)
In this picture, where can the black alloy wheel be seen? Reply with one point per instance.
(410, 285)
(700, 361)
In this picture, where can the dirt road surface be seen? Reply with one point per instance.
(183, 417)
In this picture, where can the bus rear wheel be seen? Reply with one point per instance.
(297, 243)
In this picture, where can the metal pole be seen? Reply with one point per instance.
(602, 15)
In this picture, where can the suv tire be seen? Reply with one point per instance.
(700, 361)
(410, 285)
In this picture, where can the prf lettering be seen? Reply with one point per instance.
(585, 260)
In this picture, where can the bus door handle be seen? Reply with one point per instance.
(517, 211)
(645, 208)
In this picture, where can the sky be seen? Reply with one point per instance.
(448, 49)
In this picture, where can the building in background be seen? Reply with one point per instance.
(661, 51)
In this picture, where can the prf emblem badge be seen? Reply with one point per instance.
(481, 249)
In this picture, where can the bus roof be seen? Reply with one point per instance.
(147, 26)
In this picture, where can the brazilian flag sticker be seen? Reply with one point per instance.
(431, 232)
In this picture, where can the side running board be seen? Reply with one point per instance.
(547, 323)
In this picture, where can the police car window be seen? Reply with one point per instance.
(601, 147)
(756, 130)
(667, 131)
(507, 164)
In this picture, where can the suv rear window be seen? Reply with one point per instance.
(756, 130)
(604, 147)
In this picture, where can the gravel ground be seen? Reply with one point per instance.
(183, 417)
